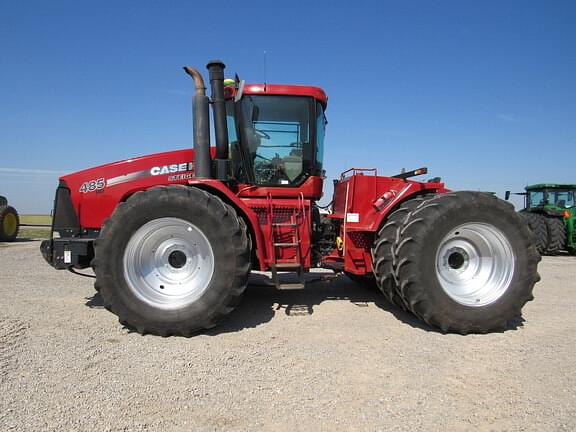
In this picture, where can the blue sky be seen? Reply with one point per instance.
(483, 93)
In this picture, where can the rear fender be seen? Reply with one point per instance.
(410, 190)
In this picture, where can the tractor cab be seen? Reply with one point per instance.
(551, 197)
(275, 133)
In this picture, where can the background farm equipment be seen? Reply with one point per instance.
(550, 212)
(9, 221)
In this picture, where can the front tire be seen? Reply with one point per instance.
(466, 263)
(172, 261)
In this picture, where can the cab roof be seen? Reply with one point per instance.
(551, 186)
(287, 90)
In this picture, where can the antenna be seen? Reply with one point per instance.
(264, 70)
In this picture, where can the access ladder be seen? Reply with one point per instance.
(285, 240)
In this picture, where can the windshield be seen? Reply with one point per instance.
(555, 197)
(275, 140)
(561, 198)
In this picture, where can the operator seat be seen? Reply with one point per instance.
(293, 163)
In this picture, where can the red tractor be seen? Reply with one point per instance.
(172, 237)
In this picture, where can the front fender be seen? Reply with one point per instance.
(219, 189)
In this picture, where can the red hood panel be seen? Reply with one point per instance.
(121, 179)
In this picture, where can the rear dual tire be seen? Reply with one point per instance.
(463, 262)
(172, 261)
(382, 252)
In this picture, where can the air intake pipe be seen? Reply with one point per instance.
(216, 76)
(201, 126)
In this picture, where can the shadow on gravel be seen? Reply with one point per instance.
(95, 302)
(20, 240)
(262, 301)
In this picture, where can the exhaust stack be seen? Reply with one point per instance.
(216, 76)
(201, 126)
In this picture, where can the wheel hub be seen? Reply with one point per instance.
(177, 259)
(10, 224)
(475, 264)
(457, 259)
(168, 263)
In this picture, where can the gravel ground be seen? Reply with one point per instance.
(333, 356)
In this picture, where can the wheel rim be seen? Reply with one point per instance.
(10, 224)
(168, 263)
(475, 264)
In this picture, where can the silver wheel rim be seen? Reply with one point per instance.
(475, 264)
(168, 263)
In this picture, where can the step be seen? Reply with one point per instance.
(285, 244)
(291, 285)
(288, 265)
(285, 224)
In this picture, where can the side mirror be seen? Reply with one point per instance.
(507, 195)
(240, 89)
(255, 113)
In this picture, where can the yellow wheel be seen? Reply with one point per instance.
(9, 223)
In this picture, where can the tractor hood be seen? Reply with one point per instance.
(124, 171)
(95, 192)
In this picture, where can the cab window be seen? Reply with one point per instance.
(277, 130)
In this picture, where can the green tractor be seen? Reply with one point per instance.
(9, 221)
(550, 212)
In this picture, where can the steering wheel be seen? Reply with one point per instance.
(261, 134)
